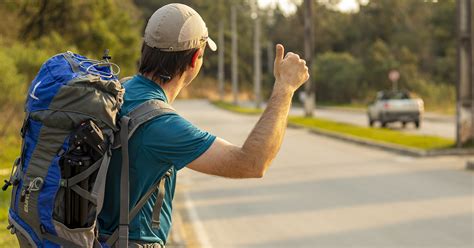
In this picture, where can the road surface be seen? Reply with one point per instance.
(322, 192)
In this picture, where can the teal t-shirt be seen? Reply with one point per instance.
(165, 142)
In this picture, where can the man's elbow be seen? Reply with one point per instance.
(255, 174)
(260, 173)
(260, 169)
(256, 167)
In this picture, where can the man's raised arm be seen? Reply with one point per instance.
(262, 145)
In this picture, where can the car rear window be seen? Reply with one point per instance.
(399, 95)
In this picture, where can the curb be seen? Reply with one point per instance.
(386, 146)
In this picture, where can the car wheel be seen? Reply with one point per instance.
(417, 124)
(384, 124)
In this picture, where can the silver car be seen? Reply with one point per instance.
(394, 106)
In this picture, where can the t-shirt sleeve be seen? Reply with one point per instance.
(174, 140)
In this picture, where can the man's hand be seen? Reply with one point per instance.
(290, 71)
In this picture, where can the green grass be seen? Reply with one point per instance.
(9, 150)
(424, 142)
(237, 109)
(6, 239)
(348, 106)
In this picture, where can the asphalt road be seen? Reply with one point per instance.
(443, 126)
(322, 192)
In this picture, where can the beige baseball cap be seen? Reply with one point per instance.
(177, 27)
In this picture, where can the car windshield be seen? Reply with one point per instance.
(393, 95)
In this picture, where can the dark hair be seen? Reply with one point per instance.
(162, 66)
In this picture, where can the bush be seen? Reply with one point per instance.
(338, 77)
(11, 81)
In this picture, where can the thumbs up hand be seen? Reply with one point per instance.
(290, 71)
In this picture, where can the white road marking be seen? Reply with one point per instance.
(198, 227)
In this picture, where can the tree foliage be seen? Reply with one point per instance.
(33, 31)
(338, 77)
(418, 38)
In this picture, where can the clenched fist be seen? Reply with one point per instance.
(290, 71)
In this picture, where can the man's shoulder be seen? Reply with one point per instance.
(165, 125)
(167, 122)
(171, 127)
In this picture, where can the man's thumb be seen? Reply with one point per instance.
(280, 53)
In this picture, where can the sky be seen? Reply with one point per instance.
(349, 5)
(289, 7)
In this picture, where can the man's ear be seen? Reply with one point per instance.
(196, 56)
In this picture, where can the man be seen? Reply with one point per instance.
(172, 55)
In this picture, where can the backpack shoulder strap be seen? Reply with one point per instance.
(124, 220)
(147, 111)
(142, 114)
(128, 125)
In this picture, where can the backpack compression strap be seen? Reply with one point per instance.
(128, 125)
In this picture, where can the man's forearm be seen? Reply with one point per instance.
(265, 140)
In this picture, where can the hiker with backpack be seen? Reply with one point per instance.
(102, 157)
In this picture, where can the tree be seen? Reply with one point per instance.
(91, 26)
(338, 77)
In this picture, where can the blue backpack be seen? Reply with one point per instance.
(69, 129)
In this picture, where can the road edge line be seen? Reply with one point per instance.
(196, 223)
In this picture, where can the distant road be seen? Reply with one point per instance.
(443, 126)
(432, 124)
(322, 192)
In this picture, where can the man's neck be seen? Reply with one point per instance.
(170, 88)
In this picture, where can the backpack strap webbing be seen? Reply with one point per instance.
(128, 125)
(143, 113)
(155, 219)
(124, 185)
(133, 213)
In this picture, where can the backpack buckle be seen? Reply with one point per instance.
(13, 180)
(11, 228)
(6, 185)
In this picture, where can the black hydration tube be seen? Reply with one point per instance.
(164, 78)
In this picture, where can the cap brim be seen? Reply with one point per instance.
(211, 44)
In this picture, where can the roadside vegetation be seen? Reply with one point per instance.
(237, 109)
(9, 151)
(424, 142)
